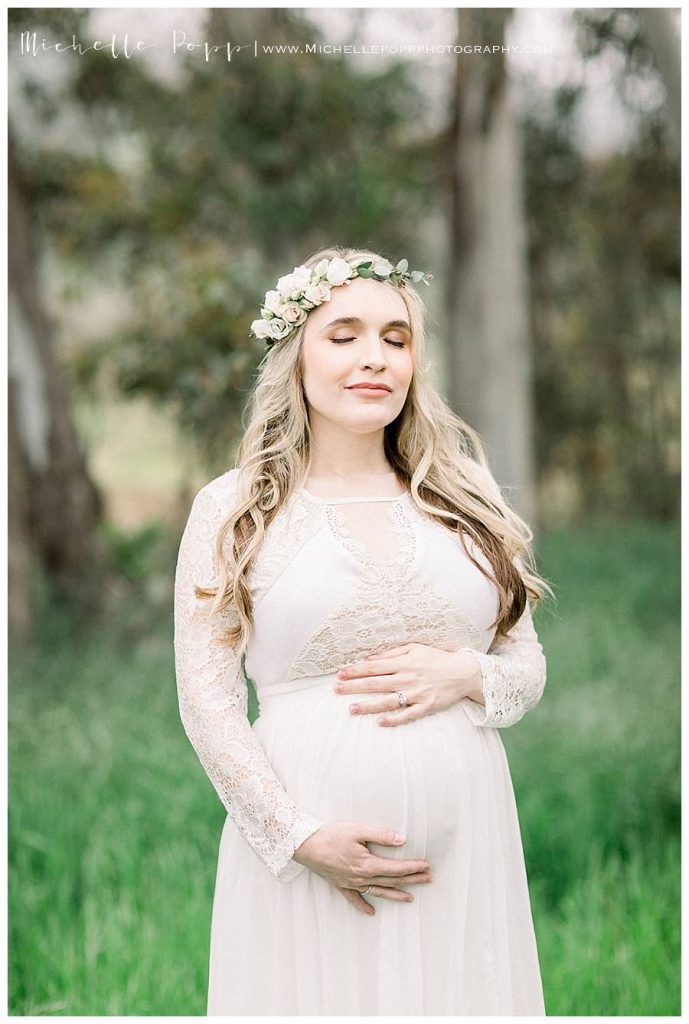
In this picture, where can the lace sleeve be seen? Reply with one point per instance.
(513, 676)
(212, 694)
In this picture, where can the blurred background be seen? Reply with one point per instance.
(154, 196)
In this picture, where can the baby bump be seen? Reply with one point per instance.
(416, 777)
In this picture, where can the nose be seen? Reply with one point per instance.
(373, 353)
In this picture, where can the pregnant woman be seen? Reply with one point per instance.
(361, 566)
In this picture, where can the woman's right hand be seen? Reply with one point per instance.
(337, 851)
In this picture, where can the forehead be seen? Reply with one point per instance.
(371, 301)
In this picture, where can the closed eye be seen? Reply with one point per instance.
(391, 341)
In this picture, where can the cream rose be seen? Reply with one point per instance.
(293, 314)
(278, 328)
(261, 328)
(338, 271)
(317, 293)
(299, 279)
(273, 301)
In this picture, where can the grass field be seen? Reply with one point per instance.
(114, 828)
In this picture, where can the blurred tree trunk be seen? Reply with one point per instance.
(54, 506)
(19, 562)
(490, 355)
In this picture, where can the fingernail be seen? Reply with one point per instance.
(354, 708)
(399, 838)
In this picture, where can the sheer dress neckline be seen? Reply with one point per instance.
(349, 501)
(371, 564)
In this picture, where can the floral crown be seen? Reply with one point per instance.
(286, 307)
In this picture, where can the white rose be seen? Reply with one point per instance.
(261, 328)
(317, 293)
(302, 277)
(338, 271)
(285, 286)
(299, 279)
(278, 328)
(321, 269)
(273, 301)
(293, 314)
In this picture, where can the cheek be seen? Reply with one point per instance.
(324, 369)
(404, 369)
(331, 365)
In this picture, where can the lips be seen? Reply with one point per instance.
(363, 386)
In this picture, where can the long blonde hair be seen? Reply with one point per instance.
(436, 455)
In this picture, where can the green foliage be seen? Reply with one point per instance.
(194, 196)
(131, 553)
(605, 281)
(114, 828)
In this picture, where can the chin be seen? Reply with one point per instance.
(365, 426)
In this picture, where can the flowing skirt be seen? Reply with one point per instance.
(466, 945)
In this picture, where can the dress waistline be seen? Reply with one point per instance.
(294, 685)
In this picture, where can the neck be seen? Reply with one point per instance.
(338, 453)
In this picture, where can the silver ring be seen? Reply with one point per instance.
(402, 699)
(366, 891)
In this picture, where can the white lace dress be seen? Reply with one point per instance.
(334, 581)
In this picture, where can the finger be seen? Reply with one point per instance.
(366, 667)
(390, 893)
(383, 664)
(409, 714)
(391, 653)
(365, 833)
(371, 707)
(393, 868)
(420, 878)
(375, 684)
(356, 899)
(363, 680)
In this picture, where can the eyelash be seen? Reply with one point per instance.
(397, 344)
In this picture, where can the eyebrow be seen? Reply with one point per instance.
(402, 324)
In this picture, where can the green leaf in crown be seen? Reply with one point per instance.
(307, 288)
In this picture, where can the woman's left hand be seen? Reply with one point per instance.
(431, 680)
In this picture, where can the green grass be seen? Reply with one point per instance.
(114, 828)
(613, 945)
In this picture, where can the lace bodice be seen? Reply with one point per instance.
(332, 582)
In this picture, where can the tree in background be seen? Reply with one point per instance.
(234, 173)
(489, 345)
(54, 508)
(184, 196)
(605, 273)
(187, 198)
